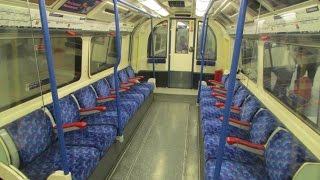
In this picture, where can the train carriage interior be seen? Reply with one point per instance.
(159, 89)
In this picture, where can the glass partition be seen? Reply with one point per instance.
(23, 62)
(103, 53)
(292, 74)
(249, 58)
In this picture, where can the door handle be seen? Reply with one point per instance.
(191, 49)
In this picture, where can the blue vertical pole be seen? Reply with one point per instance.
(232, 79)
(54, 92)
(202, 47)
(115, 74)
(152, 48)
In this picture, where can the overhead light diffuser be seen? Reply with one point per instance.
(153, 5)
(201, 6)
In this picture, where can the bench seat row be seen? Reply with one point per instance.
(258, 145)
(89, 118)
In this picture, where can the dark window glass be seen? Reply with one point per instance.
(278, 4)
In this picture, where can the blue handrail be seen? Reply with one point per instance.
(53, 85)
(152, 48)
(115, 74)
(202, 48)
(231, 85)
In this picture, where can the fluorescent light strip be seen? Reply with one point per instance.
(153, 5)
(201, 6)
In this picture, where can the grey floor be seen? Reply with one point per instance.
(165, 146)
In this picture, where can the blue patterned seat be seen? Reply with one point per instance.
(248, 110)
(87, 98)
(131, 74)
(208, 94)
(263, 124)
(142, 87)
(282, 158)
(37, 146)
(94, 135)
(133, 93)
(103, 88)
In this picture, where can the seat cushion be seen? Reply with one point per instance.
(214, 127)
(231, 170)
(212, 112)
(107, 118)
(211, 145)
(82, 161)
(128, 106)
(100, 137)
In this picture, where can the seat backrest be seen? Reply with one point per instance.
(111, 81)
(239, 96)
(86, 97)
(284, 155)
(224, 78)
(123, 75)
(263, 124)
(130, 72)
(102, 87)
(69, 109)
(249, 108)
(32, 135)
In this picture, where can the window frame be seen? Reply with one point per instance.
(149, 42)
(198, 45)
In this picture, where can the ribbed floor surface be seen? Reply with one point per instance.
(165, 145)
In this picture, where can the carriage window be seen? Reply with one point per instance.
(292, 74)
(182, 37)
(23, 62)
(103, 53)
(210, 53)
(249, 59)
(160, 34)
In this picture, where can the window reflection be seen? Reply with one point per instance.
(160, 32)
(249, 59)
(292, 74)
(103, 53)
(211, 44)
(23, 67)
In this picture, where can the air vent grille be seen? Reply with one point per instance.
(176, 3)
(182, 15)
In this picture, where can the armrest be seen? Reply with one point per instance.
(72, 126)
(125, 84)
(106, 98)
(218, 89)
(215, 82)
(137, 77)
(88, 111)
(121, 89)
(135, 81)
(234, 109)
(237, 123)
(246, 145)
(219, 96)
